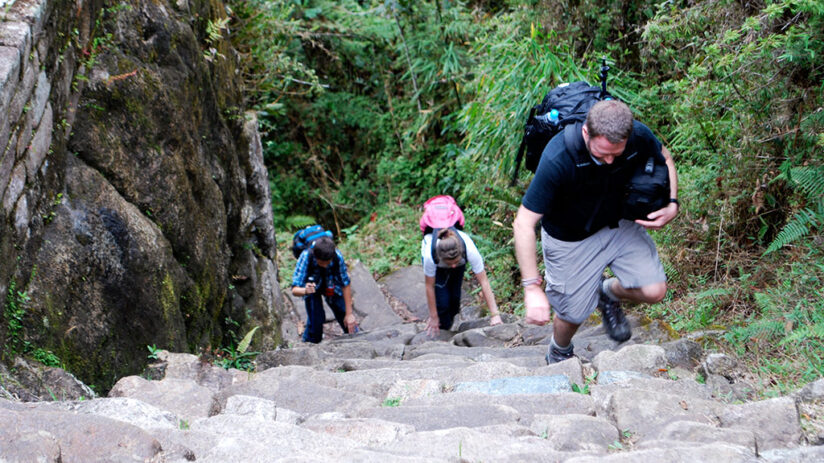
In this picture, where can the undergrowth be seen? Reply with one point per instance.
(429, 104)
(774, 326)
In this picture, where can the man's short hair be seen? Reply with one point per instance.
(323, 248)
(611, 119)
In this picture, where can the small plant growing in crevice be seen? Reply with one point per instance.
(153, 351)
(15, 309)
(617, 445)
(587, 382)
(580, 389)
(391, 402)
(625, 441)
(46, 357)
(237, 356)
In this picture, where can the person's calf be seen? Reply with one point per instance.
(562, 330)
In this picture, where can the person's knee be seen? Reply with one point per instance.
(655, 292)
(571, 320)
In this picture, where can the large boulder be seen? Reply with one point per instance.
(407, 284)
(368, 300)
(62, 436)
(136, 202)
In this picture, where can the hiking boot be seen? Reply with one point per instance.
(615, 323)
(555, 355)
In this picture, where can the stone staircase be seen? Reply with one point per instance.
(478, 394)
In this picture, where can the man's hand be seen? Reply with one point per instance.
(433, 326)
(351, 323)
(310, 288)
(537, 305)
(659, 218)
(495, 320)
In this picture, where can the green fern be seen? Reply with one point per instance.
(798, 227)
(742, 337)
(804, 333)
(671, 271)
(295, 222)
(244, 344)
(765, 302)
(810, 181)
(712, 293)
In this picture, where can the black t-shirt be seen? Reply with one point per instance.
(576, 196)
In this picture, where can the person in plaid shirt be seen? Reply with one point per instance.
(321, 273)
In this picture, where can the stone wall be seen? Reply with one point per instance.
(26, 114)
(135, 203)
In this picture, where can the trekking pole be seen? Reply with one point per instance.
(604, 71)
(521, 149)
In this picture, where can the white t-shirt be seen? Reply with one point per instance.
(472, 255)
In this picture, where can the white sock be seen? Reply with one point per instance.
(607, 288)
(563, 349)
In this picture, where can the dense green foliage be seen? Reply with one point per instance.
(370, 106)
(13, 312)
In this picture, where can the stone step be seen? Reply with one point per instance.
(428, 418)
(688, 453)
(462, 443)
(378, 396)
(527, 405)
(369, 303)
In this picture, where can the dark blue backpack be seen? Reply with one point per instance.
(303, 238)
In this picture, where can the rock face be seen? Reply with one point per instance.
(376, 396)
(135, 201)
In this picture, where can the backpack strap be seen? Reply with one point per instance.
(317, 234)
(313, 269)
(575, 146)
(574, 142)
(435, 241)
(433, 245)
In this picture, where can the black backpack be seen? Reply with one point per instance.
(565, 104)
(647, 191)
(303, 238)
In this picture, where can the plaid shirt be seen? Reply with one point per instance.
(334, 275)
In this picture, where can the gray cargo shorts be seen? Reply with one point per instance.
(574, 268)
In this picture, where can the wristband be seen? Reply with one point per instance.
(675, 200)
(531, 281)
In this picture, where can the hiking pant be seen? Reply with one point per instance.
(316, 316)
(574, 269)
(448, 283)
